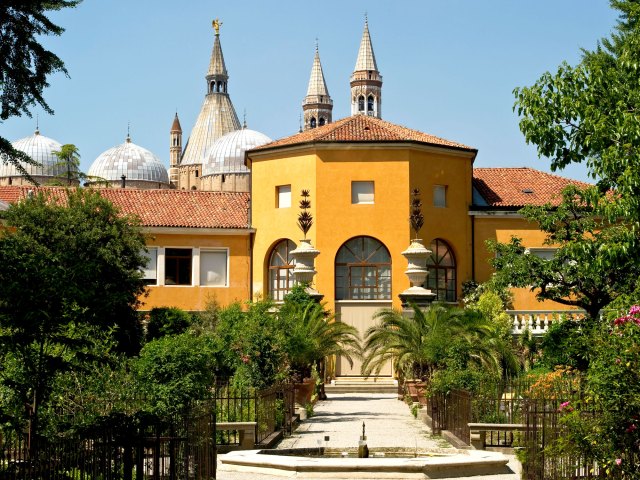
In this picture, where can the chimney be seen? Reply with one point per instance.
(123, 182)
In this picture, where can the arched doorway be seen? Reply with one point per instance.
(362, 287)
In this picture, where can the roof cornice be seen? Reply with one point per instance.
(198, 231)
(361, 145)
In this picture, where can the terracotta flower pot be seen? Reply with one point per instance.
(304, 391)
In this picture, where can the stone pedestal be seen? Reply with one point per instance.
(304, 271)
(417, 272)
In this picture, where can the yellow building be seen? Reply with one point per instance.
(235, 243)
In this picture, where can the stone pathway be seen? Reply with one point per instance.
(388, 422)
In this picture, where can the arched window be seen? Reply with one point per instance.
(361, 103)
(322, 121)
(281, 266)
(212, 87)
(442, 271)
(312, 122)
(363, 270)
(370, 103)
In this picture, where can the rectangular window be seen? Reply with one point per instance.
(284, 196)
(440, 196)
(150, 270)
(177, 266)
(213, 268)
(362, 192)
(544, 253)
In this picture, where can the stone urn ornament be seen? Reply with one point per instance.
(305, 253)
(416, 255)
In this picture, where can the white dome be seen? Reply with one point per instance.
(226, 155)
(131, 160)
(39, 148)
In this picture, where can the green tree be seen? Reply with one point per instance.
(69, 162)
(428, 340)
(254, 341)
(25, 64)
(588, 113)
(595, 260)
(71, 271)
(177, 370)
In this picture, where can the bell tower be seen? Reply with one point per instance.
(366, 81)
(175, 150)
(317, 105)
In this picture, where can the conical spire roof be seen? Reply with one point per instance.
(317, 84)
(217, 67)
(217, 116)
(175, 127)
(366, 58)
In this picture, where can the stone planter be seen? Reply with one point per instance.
(304, 271)
(417, 256)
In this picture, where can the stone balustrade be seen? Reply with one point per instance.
(539, 321)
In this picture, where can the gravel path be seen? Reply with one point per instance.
(388, 422)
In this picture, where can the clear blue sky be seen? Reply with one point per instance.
(449, 67)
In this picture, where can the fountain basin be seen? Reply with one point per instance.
(462, 463)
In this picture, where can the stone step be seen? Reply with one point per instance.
(362, 385)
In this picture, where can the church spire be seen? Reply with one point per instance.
(217, 117)
(366, 81)
(317, 105)
(217, 76)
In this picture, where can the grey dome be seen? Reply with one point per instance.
(227, 153)
(131, 160)
(39, 148)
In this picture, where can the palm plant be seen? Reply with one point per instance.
(313, 335)
(421, 343)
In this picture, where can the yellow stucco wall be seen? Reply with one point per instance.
(451, 223)
(502, 228)
(327, 173)
(196, 297)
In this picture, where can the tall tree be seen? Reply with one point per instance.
(71, 271)
(595, 260)
(25, 64)
(69, 163)
(589, 113)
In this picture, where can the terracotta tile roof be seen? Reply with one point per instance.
(517, 187)
(164, 208)
(362, 128)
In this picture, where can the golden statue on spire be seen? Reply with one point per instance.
(216, 25)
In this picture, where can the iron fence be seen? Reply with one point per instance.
(140, 446)
(272, 409)
(542, 434)
(458, 414)
(141, 449)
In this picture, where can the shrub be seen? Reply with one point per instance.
(167, 321)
